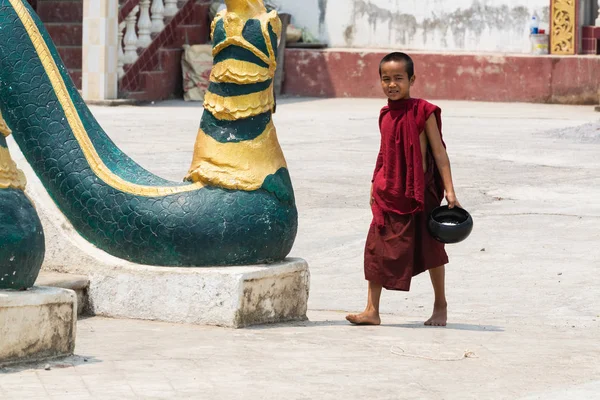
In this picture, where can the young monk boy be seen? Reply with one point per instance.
(412, 174)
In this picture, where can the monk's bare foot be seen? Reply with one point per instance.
(439, 316)
(365, 318)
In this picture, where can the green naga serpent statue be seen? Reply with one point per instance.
(237, 204)
(22, 244)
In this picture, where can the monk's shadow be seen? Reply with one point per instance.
(453, 326)
(342, 322)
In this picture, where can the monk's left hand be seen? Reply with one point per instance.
(452, 200)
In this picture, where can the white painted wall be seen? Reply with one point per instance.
(430, 25)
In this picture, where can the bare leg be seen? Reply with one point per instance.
(371, 314)
(440, 307)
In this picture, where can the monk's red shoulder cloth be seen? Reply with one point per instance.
(399, 179)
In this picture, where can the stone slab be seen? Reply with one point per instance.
(77, 283)
(37, 324)
(113, 103)
(223, 296)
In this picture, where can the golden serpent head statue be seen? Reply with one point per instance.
(246, 8)
(245, 39)
(237, 146)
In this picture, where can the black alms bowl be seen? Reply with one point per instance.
(450, 225)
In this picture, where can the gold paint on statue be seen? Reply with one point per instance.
(75, 123)
(246, 9)
(234, 26)
(243, 72)
(241, 42)
(10, 176)
(238, 107)
(241, 166)
(4, 129)
(240, 72)
(562, 27)
(234, 22)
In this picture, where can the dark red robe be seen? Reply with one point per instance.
(399, 245)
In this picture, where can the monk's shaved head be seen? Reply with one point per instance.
(399, 57)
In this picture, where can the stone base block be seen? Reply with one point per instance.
(37, 324)
(78, 283)
(224, 296)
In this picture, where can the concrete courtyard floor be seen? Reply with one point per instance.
(522, 291)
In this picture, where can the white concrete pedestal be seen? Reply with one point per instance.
(224, 296)
(37, 324)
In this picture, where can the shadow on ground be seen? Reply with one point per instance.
(409, 325)
(459, 327)
(59, 363)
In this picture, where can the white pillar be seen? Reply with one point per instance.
(158, 16)
(598, 19)
(144, 25)
(121, 53)
(100, 49)
(170, 8)
(131, 39)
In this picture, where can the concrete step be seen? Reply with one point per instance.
(77, 283)
(60, 11)
(65, 34)
(156, 85)
(187, 34)
(198, 16)
(71, 56)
